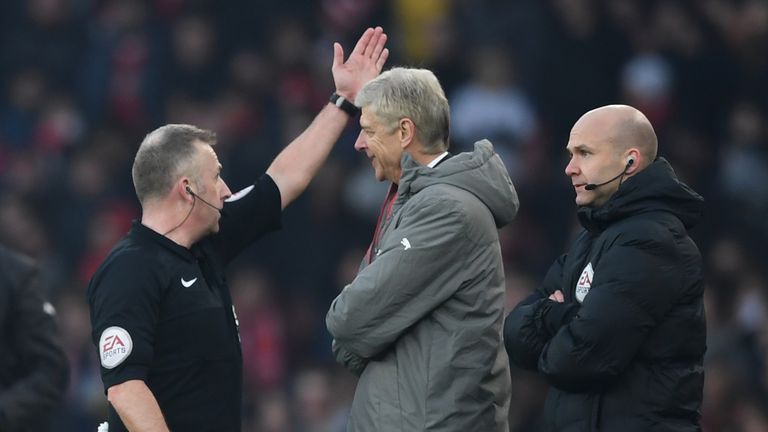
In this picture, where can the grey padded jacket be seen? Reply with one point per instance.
(422, 323)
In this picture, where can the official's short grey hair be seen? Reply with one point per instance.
(413, 93)
(164, 155)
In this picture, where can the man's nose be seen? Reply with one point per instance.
(571, 169)
(227, 192)
(360, 144)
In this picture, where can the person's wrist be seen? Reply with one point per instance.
(344, 103)
(347, 93)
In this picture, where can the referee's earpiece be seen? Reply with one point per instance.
(593, 186)
(196, 197)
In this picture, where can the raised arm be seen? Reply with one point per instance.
(297, 164)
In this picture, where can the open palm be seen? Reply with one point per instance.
(364, 63)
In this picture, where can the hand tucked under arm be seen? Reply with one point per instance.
(531, 324)
(552, 315)
(350, 361)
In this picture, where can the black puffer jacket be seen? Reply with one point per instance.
(624, 351)
(33, 368)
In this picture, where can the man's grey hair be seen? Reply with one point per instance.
(165, 154)
(413, 93)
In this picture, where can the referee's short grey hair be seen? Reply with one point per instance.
(410, 93)
(165, 154)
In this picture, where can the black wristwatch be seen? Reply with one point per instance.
(345, 105)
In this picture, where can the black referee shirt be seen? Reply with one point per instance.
(162, 313)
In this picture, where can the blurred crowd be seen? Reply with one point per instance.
(82, 81)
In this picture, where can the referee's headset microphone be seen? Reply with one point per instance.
(196, 196)
(189, 191)
(593, 186)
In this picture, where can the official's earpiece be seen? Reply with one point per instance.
(593, 186)
(196, 196)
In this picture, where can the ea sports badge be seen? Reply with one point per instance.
(584, 283)
(115, 346)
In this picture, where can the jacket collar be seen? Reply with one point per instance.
(145, 234)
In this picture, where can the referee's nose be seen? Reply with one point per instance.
(225, 193)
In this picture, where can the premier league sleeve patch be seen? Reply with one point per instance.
(115, 346)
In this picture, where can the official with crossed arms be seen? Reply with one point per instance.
(617, 327)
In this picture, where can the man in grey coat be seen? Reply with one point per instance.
(421, 324)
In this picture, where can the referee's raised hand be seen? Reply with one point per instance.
(364, 63)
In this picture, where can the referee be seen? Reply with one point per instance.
(161, 313)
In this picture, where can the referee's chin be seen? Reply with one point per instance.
(212, 229)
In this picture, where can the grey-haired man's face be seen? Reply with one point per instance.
(381, 146)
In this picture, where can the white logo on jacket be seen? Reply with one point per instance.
(584, 283)
(115, 345)
(406, 244)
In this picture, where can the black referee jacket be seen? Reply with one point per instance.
(624, 352)
(162, 314)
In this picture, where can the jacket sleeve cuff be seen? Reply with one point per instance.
(553, 315)
(350, 361)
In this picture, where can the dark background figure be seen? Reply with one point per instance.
(81, 82)
(33, 368)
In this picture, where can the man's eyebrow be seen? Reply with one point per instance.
(578, 147)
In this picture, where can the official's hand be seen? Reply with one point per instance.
(557, 296)
(556, 313)
(363, 65)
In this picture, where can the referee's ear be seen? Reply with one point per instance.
(184, 189)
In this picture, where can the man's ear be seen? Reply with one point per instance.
(184, 189)
(633, 161)
(406, 131)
